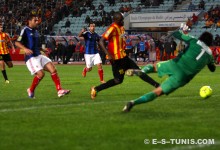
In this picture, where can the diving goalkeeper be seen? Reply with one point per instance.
(180, 70)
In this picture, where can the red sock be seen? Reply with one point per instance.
(34, 84)
(100, 71)
(56, 80)
(85, 70)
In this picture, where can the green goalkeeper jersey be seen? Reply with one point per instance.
(195, 56)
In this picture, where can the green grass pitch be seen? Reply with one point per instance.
(78, 123)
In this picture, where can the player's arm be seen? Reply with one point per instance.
(11, 44)
(81, 34)
(21, 46)
(211, 65)
(102, 46)
(182, 36)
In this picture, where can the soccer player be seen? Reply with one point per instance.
(5, 57)
(92, 56)
(37, 63)
(180, 70)
(116, 54)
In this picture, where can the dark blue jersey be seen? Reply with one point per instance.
(91, 42)
(30, 39)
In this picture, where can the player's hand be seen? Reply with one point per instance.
(13, 51)
(28, 51)
(184, 28)
(212, 67)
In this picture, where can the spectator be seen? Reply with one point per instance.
(121, 9)
(189, 23)
(191, 7)
(201, 5)
(76, 55)
(208, 23)
(68, 32)
(111, 2)
(167, 48)
(67, 24)
(138, 8)
(70, 49)
(101, 6)
(112, 12)
(194, 19)
(87, 20)
(95, 13)
(173, 46)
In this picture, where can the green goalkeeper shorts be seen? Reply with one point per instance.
(177, 78)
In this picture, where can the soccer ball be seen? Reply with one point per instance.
(205, 91)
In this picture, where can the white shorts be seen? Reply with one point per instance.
(92, 59)
(37, 63)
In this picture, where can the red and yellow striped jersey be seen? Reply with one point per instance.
(115, 36)
(4, 39)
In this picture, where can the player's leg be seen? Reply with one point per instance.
(89, 64)
(118, 73)
(168, 86)
(48, 66)
(2, 64)
(5, 59)
(146, 69)
(100, 73)
(8, 60)
(98, 61)
(143, 99)
(136, 70)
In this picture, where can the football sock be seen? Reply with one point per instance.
(149, 80)
(100, 72)
(106, 85)
(4, 74)
(85, 70)
(145, 98)
(34, 84)
(148, 68)
(56, 81)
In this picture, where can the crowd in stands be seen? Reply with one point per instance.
(150, 3)
(212, 18)
(14, 12)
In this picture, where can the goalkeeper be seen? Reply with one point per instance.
(180, 70)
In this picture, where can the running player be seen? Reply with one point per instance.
(5, 57)
(37, 63)
(92, 56)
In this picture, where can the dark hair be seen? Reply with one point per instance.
(117, 15)
(31, 16)
(207, 38)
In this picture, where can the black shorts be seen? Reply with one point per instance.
(120, 66)
(129, 51)
(5, 57)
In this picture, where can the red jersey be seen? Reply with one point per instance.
(115, 36)
(4, 39)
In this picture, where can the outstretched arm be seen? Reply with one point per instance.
(212, 66)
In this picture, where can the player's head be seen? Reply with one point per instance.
(92, 27)
(118, 18)
(207, 38)
(32, 21)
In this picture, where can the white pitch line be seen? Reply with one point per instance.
(56, 106)
(79, 104)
